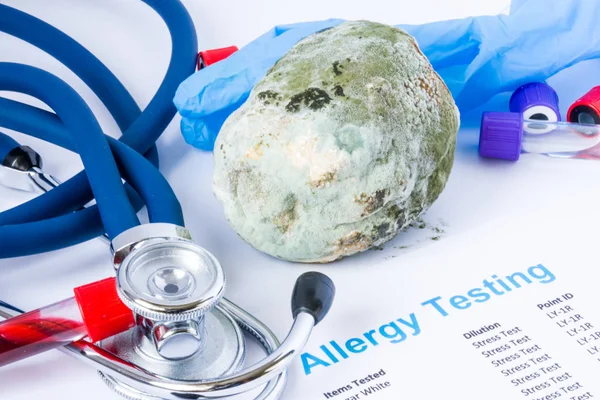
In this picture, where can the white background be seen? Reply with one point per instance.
(133, 43)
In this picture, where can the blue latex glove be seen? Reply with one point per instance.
(477, 58)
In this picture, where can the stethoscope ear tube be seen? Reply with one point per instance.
(140, 133)
(101, 170)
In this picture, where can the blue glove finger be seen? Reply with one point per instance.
(202, 132)
(529, 45)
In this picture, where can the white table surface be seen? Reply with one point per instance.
(129, 38)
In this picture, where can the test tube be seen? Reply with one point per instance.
(586, 110)
(40, 330)
(96, 312)
(506, 136)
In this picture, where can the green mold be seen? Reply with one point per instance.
(334, 154)
(313, 98)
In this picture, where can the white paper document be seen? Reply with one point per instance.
(485, 315)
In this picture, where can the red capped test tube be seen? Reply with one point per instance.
(208, 57)
(96, 312)
(586, 110)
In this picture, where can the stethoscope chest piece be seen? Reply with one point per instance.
(173, 286)
(188, 341)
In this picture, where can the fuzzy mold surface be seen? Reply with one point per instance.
(348, 139)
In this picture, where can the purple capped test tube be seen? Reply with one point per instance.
(507, 135)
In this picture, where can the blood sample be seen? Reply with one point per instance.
(96, 312)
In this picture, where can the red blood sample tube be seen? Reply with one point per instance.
(95, 312)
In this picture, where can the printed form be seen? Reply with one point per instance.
(492, 314)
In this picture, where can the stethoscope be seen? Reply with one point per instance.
(188, 341)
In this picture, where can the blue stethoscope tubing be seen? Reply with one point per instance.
(56, 219)
(85, 132)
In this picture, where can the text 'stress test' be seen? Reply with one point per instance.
(532, 369)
